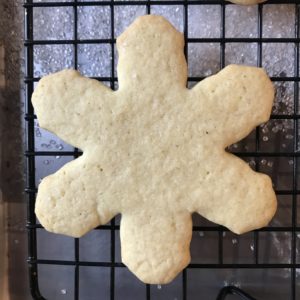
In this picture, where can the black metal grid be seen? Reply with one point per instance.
(30, 154)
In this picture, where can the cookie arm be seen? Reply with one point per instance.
(69, 202)
(63, 100)
(155, 244)
(233, 195)
(238, 98)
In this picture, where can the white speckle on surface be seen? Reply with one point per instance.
(47, 146)
(38, 132)
(265, 129)
(265, 138)
(252, 163)
(237, 284)
(46, 162)
(263, 162)
(234, 241)
(63, 291)
(59, 147)
(232, 282)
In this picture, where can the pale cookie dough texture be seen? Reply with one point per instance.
(154, 150)
(247, 2)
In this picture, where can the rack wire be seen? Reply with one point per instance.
(32, 225)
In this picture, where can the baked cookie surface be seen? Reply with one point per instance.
(247, 2)
(154, 150)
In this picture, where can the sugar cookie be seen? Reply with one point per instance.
(154, 150)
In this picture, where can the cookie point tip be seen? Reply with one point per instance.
(142, 22)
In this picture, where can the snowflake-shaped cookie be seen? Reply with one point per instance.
(154, 150)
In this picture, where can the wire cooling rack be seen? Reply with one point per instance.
(272, 276)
